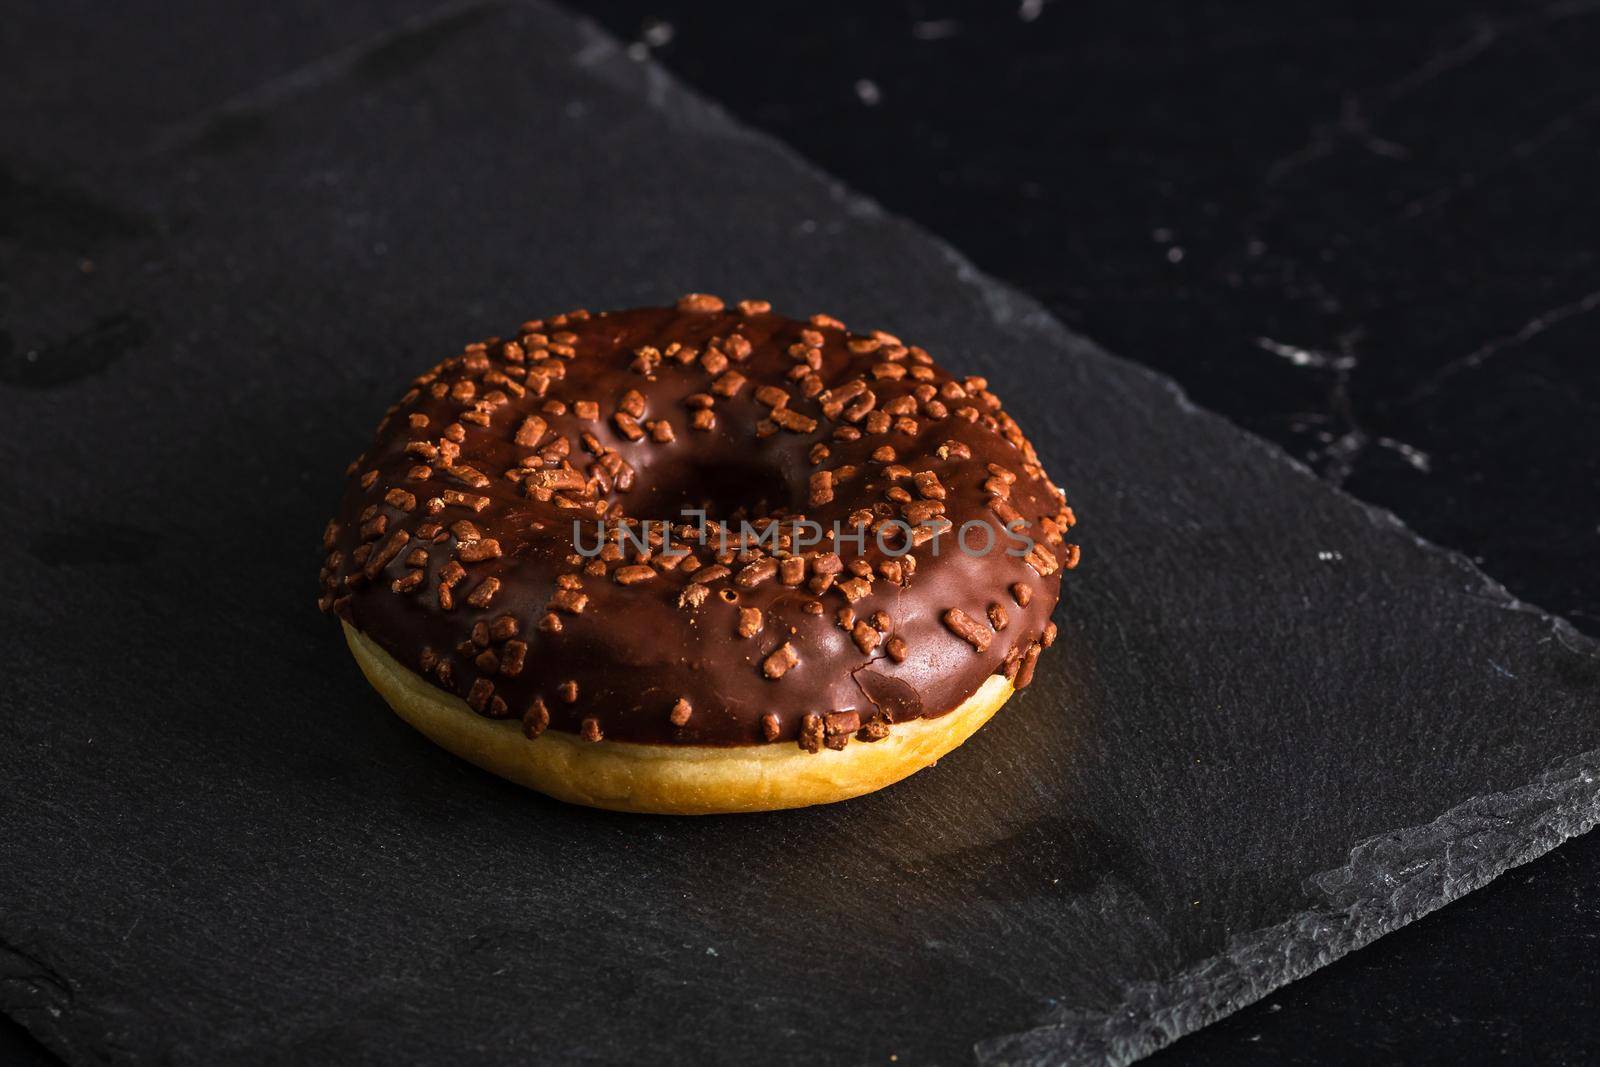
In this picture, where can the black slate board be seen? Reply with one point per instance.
(1277, 726)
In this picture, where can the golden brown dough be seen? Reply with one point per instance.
(667, 779)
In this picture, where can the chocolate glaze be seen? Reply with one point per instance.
(619, 668)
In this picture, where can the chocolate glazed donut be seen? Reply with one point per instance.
(678, 559)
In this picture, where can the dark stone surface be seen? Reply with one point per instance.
(236, 853)
(1363, 230)
(1504, 975)
(1415, 179)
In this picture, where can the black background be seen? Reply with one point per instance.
(1403, 195)
(1403, 191)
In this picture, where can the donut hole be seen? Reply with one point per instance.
(720, 492)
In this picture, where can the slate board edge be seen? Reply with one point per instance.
(1562, 803)
(1392, 879)
(604, 55)
(1419, 860)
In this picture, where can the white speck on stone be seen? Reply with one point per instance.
(1410, 453)
(935, 29)
(657, 33)
(638, 51)
(1029, 10)
(1175, 254)
(868, 92)
(710, 951)
(1329, 555)
(1305, 357)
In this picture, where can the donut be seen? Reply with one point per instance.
(697, 559)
